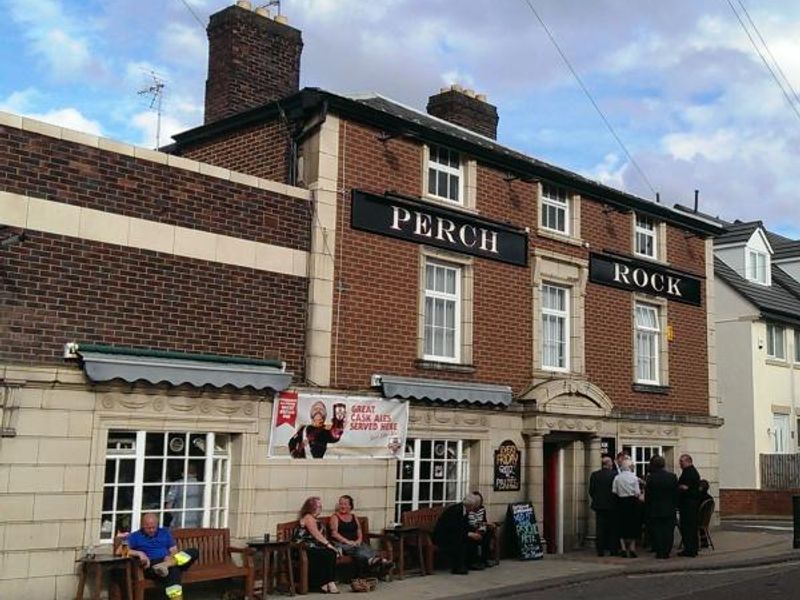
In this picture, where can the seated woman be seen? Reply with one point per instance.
(321, 553)
(348, 537)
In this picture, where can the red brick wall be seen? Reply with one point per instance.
(756, 502)
(260, 150)
(375, 315)
(80, 175)
(55, 289)
(609, 322)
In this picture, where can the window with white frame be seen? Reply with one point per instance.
(555, 327)
(648, 342)
(445, 174)
(640, 457)
(442, 312)
(183, 477)
(645, 237)
(797, 345)
(555, 208)
(431, 473)
(776, 341)
(756, 268)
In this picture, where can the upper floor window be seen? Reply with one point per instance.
(442, 312)
(756, 266)
(646, 237)
(555, 327)
(648, 343)
(776, 342)
(797, 345)
(445, 174)
(555, 208)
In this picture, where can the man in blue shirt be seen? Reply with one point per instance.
(158, 554)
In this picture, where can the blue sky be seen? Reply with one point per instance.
(679, 81)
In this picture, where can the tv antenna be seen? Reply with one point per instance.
(156, 93)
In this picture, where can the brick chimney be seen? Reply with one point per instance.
(252, 60)
(466, 108)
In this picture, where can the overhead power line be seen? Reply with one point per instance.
(590, 97)
(194, 14)
(792, 103)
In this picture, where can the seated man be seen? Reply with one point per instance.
(479, 524)
(156, 550)
(453, 536)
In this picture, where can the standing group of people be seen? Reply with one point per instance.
(623, 502)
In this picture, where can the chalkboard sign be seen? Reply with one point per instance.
(523, 530)
(507, 467)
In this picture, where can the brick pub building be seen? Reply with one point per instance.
(316, 242)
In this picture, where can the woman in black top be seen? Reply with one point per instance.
(321, 553)
(348, 537)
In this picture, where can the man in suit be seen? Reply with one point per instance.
(603, 506)
(454, 538)
(688, 505)
(660, 502)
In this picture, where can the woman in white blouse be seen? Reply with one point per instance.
(626, 488)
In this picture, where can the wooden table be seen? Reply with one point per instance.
(398, 537)
(281, 551)
(96, 565)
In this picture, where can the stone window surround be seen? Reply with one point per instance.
(241, 446)
(660, 241)
(465, 263)
(572, 273)
(663, 346)
(574, 214)
(469, 185)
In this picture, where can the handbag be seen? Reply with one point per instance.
(366, 584)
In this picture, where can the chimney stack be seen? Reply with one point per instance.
(252, 60)
(465, 108)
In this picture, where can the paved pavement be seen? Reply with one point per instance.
(734, 549)
(738, 545)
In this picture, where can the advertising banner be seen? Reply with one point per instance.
(332, 426)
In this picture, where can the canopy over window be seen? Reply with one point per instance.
(106, 363)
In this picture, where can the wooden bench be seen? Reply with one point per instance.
(300, 558)
(425, 520)
(215, 561)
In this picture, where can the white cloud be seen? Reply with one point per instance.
(59, 41)
(184, 43)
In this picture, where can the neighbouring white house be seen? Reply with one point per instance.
(758, 360)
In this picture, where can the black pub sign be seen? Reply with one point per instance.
(507, 467)
(419, 222)
(640, 276)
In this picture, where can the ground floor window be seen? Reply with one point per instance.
(183, 477)
(641, 455)
(432, 473)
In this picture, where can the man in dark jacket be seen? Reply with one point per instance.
(661, 500)
(603, 506)
(454, 538)
(688, 505)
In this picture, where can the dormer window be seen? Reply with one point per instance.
(646, 232)
(757, 266)
(445, 175)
